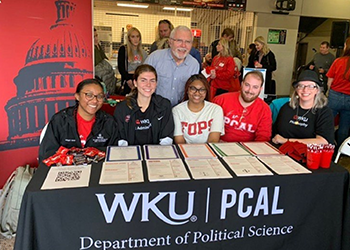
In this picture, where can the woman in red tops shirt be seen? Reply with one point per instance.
(339, 92)
(222, 71)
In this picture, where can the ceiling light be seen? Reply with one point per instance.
(132, 5)
(177, 9)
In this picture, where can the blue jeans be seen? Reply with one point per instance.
(340, 104)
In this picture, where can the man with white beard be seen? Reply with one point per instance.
(174, 65)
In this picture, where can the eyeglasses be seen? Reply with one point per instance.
(193, 90)
(302, 86)
(90, 96)
(180, 41)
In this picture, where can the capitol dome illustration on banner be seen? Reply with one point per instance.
(54, 65)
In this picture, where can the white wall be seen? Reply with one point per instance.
(325, 8)
(314, 39)
(284, 52)
(146, 23)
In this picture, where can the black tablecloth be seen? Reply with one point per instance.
(309, 211)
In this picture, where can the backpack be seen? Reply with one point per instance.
(11, 199)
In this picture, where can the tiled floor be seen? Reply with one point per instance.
(7, 244)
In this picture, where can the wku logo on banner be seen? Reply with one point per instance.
(243, 203)
(148, 205)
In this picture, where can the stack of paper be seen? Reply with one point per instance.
(153, 152)
(163, 170)
(67, 177)
(246, 166)
(129, 153)
(121, 172)
(229, 149)
(123, 165)
(283, 164)
(207, 169)
(196, 151)
(261, 148)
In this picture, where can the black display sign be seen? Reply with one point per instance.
(304, 212)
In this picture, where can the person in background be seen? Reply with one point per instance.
(82, 125)
(196, 54)
(321, 63)
(223, 71)
(164, 29)
(306, 117)
(103, 69)
(196, 119)
(251, 51)
(247, 117)
(264, 58)
(130, 56)
(144, 117)
(174, 65)
(339, 92)
(229, 35)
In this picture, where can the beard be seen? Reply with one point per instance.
(250, 98)
(178, 55)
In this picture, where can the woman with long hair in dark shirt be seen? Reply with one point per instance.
(144, 117)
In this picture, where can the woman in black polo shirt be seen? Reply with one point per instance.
(144, 117)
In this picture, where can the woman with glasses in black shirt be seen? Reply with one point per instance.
(306, 118)
(82, 125)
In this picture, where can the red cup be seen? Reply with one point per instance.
(326, 158)
(313, 159)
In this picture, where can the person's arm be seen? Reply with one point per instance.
(329, 82)
(178, 132)
(167, 124)
(179, 139)
(271, 64)
(217, 126)
(227, 72)
(278, 139)
(214, 137)
(144, 55)
(114, 137)
(122, 63)
(119, 116)
(264, 128)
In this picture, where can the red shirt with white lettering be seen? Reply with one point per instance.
(84, 128)
(253, 123)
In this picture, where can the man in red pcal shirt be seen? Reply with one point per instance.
(247, 117)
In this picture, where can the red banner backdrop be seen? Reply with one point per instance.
(45, 50)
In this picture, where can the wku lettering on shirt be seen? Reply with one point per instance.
(196, 128)
(238, 123)
(143, 124)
